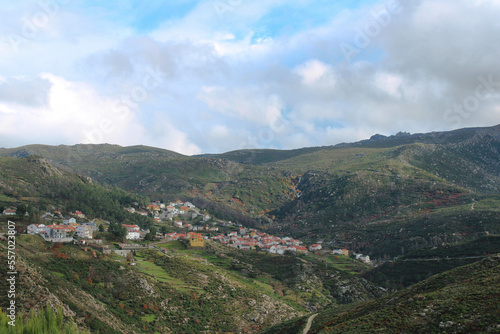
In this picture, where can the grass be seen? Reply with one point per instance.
(60, 275)
(345, 263)
(464, 300)
(149, 318)
(161, 275)
(173, 245)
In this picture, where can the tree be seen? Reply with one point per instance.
(151, 235)
(21, 210)
(101, 228)
(164, 229)
(117, 230)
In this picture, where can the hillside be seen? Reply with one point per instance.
(175, 289)
(167, 175)
(463, 300)
(35, 183)
(373, 195)
(424, 263)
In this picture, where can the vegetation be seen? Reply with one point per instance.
(424, 263)
(46, 321)
(455, 301)
(32, 184)
(375, 194)
(422, 206)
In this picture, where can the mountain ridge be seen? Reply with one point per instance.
(338, 193)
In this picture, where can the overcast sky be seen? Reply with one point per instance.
(219, 75)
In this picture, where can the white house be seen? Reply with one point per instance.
(60, 231)
(84, 231)
(314, 247)
(69, 221)
(37, 228)
(133, 232)
(189, 205)
(9, 212)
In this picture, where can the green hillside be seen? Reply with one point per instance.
(426, 262)
(372, 195)
(35, 183)
(175, 289)
(167, 175)
(463, 300)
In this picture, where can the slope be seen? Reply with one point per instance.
(463, 300)
(34, 182)
(167, 175)
(174, 289)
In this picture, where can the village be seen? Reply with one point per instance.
(189, 224)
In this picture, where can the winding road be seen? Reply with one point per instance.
(309, 323)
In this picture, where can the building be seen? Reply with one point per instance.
(37, 228)
(301, 249)
(196, 240)
(9, 212)
(70, 221)
(153, 208)
(60, 231)
(190, 205)
(84, 231)
(133, 232)
(315, 247)
(79, 214)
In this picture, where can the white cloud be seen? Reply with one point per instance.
(314, 71)
(232, 77)
(250, 104)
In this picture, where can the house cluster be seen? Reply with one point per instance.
(63, 231)
(252, 239)
(346, 252)
(163, 212)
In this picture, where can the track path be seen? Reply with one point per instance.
(309, 323)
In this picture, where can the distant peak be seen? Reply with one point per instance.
(403, 134)
(378, 137)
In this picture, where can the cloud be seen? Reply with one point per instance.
(27, 92)
(248, 74)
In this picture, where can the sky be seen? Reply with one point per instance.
(219, 75)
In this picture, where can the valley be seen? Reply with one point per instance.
(144, 240)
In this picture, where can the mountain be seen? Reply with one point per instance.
(463, 300)
(34, 182)
(400, 199)
(164, 174)
(377, 196)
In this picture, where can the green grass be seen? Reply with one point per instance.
(60, 275)
(149, 318)
(173, 245)
(161, 275)
(345, 263)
